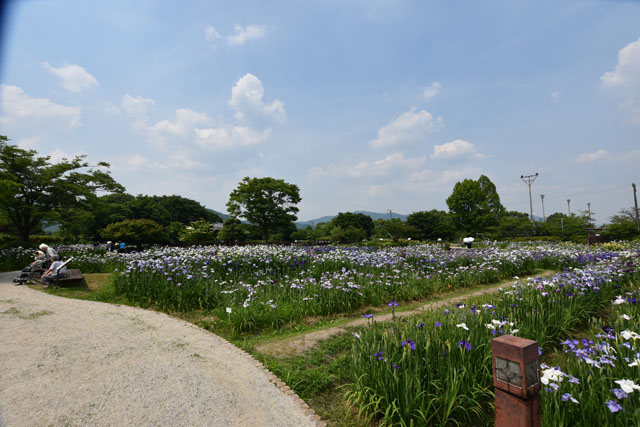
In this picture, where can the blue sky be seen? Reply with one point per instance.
(364, 104)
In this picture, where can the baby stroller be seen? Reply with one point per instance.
(33, 272)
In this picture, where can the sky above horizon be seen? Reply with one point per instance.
(364, 104)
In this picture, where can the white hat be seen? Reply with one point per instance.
(43, 246)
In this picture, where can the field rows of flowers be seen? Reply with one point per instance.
(268, 286)
(436, 369)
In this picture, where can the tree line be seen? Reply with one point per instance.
(87, 204)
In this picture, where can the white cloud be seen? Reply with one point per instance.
(211, 33)
(184, 124)
(29, 143)
(230, 137)
(246, 100)
(432, 90)
(74, 77)
(428, 181)
(410, 127)
(627, 70)
(624, 80)
(129, 164)
(136, 106)
(421, 182)
(179, 161)
(382, 167)
(17, 105)
(589, 157)
(241, 35)
(456, 149)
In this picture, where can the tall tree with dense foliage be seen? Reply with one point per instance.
(268, 203)
(623, 226)
(135, 231)
(475, 205)
(33, 189)
(432, 225)
(346, 220)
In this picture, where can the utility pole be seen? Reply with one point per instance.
(528, 179)
(544, 217)
(589, 211)
(569, 206)
(390, 215)
(635, 201)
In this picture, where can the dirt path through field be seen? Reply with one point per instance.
(298, 344)
(67, 362)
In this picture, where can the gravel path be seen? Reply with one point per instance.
(66, 362)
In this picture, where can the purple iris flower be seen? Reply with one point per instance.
(368, 316)
(392, 304)
(567, 396)
(614, 406)
(438, 324)
(620, 394)
(420, 325)
(411, 344)
(394, 366)
(466, 344)
(446, 311)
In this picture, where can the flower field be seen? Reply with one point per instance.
(268, 286)
(436, 369)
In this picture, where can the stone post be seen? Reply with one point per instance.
(516, 379)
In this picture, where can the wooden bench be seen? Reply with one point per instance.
(73, 275)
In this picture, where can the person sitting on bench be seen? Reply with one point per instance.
(50, 252)
(57, 270)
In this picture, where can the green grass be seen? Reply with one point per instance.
(94, 287)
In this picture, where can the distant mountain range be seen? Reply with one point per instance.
(313, 222)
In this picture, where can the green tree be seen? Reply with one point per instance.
(349, 235)
(232, 231)
(303, 233)
(623, 226)
(565, 227)
(135, 231)
(322, 231)
(432, 225)
(475, 205)
(361, 221)
(32, 189)
(266, 202)
(76, 224)
(394, 229)
(513, 224)
(198, 233)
